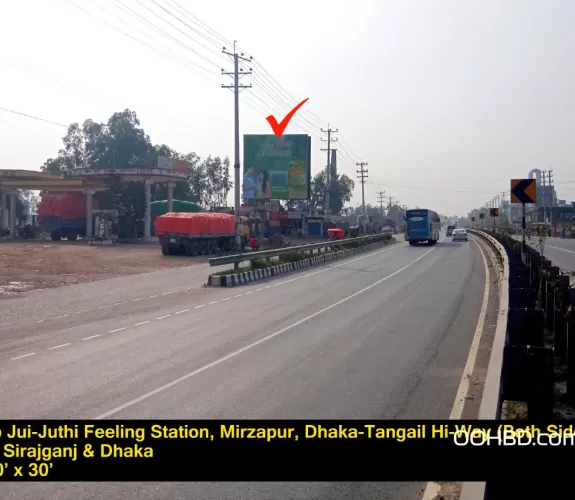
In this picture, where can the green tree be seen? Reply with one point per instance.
(121, 143)
(341, 191)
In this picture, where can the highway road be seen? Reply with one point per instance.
(386, 334)
(561, 252)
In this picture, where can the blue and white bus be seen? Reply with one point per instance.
(421, 225)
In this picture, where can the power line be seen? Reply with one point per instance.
(33, 117)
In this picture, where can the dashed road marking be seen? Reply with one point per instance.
(197, 307)
(58, 346)
(117, 330)
(141, 323)
(167, 293)
(23, 356)
(213, 302)
(165, 316)
(236, 296)
(182, 311)
(137, 300)
(60, 317)
(227, 298)
(91, 337)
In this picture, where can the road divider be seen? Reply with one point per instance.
(262, 268)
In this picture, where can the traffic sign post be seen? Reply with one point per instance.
(494, 212)
(482, 217)
(523, 191)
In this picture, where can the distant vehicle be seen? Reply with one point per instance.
(450, 230)
(63, 215)
(200, 233)
(421, 224)
(459, 235)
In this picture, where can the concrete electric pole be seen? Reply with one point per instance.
(236, 87)
(380, 196)
(549, 176)
(329, 140)
(362, 175)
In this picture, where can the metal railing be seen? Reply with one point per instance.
(266, 254)
(492, 398)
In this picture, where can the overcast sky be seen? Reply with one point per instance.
(445, 100)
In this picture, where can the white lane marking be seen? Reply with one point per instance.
(60, 317)
(40, 321)
(91, 337)
(227, 298)
(165, 316)
(213, 302)
(197, 307)
(345, 263)
(141, 323)
(182, 311)
(23, 356)
(558, 248)
(433, 489)
(256, 343)
(258, 289)
(328, 268)
(117, 330)
(58, 346)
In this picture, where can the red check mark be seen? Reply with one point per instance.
(279, 128)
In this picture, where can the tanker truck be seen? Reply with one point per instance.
(63, 215)
(199, 233)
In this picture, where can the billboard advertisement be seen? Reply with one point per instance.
(276, 167)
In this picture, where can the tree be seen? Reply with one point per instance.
(341, 191)
(122, 143)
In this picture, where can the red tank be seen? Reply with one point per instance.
(65, 206)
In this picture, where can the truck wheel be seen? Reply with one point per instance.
(72, 236)
(195, 248)
(55, 236)
(165, 250)
(412, 243)
(210, 246)
(203, 248)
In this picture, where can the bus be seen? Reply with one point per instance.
(421, 225)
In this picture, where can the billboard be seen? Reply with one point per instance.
(276, 167)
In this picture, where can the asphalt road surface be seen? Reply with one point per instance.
(561, 252)
(381, 335)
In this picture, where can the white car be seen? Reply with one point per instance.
(459, 235)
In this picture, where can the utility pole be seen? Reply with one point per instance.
(362, 175)
(329, 140)
(380, 195)
(544, 197)
(236, 74)
(503, 204)
(549, 175)
(389, 206)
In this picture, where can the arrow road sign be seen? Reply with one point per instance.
(523, 191)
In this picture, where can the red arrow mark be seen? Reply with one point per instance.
(279, 128)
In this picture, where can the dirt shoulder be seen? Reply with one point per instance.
(35, 265)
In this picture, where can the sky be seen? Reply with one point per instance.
(445, 100)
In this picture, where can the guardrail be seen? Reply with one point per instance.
(535, 364)
(492, 398)
(266, 254)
